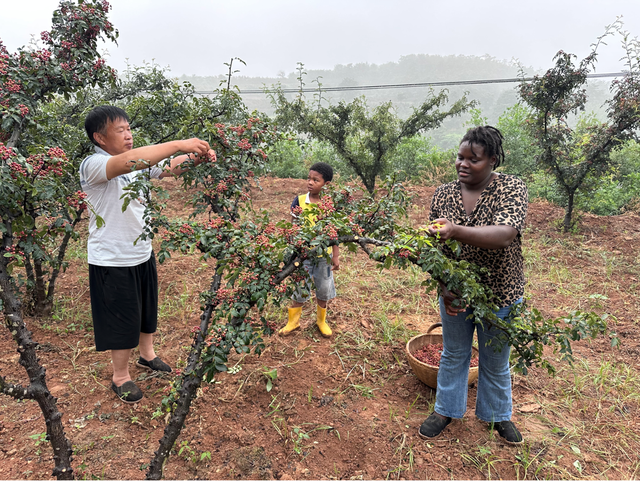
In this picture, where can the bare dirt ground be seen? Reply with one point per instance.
(347, 407)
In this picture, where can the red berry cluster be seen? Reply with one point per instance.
(77, 201)
(14, 253)
(291, 233)
(43, 166)
(4, 59)
(215, 223)
(42, 55)
(430, 354)
(221, 187)
(227, 295)
(263, 240)
(17, 170)
(251, 121)
(357, 229)
(6, 152)
(99, 64)
(326, 205)
(215, 338)
(247, 277)
(270, 229)
(57, 153)
(244, 144)
(332, 232)
(280, 289)
(12, 86)
(186, 229)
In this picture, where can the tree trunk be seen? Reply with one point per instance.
(62, 251)
(37, 389)
(568, 213)
(40, 304)
(15, 135)
(191, 380)
(40, 296)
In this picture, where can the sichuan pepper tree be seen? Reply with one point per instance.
(65, 60)
(577, 158)
(37, 200)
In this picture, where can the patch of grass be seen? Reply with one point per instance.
(355, 339)
(77, 250)
(483, 459)
(589, 410)
(177, 303)
(404, 451)
(611, 263)
(364, 391)
(71, 313)
(528, 463)
(391, 331)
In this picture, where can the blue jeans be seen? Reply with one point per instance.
(493, 400)
(320, 276)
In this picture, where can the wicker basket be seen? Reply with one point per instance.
(425, 372)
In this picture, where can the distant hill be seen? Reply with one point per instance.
(493, 98)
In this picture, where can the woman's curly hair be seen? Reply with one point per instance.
(491, 140)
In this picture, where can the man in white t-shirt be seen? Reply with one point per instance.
(122, 273)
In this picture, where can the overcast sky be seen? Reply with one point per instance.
(198, 36)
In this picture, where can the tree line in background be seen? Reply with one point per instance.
(47, 89)
(492, 98)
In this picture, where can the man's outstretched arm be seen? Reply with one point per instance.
(143, 157)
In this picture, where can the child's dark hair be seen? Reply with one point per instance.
(99, 117)
(324, 170)
(491, 140)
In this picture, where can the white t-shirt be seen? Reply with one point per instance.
(112, 245)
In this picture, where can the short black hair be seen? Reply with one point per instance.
(99, 117)
(489, 138)
(324, 170)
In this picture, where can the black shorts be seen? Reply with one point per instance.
(124, 303)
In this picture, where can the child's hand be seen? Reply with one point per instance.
(335, 264)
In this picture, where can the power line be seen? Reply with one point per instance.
(405, 85)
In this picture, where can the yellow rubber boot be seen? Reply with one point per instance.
(325, 330)
(293, 323)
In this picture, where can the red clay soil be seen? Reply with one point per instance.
(341, 408)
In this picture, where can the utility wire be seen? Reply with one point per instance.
(404, 86)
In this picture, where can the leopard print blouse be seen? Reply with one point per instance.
(503, 202)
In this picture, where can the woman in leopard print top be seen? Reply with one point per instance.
(485, 212)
